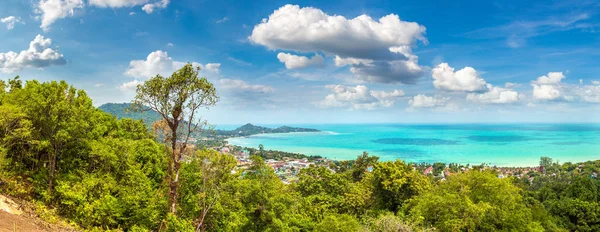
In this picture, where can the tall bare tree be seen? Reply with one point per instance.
(177, 99)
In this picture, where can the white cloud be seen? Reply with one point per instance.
(116, 3)
(159, 62)
(339, 61)
(359, 97)
(52, 10)
(130, 86)
(149, 8)
(232, 84)
(546, 92)
(170, 44)
(590, 93)
(552, 78)
(310, 29)
(424, 101)
(466, 79)
(294, 61)
(495, 95)
(351, 40)
(10, 21)
(549, 87)
(224, 19)
(38, 55)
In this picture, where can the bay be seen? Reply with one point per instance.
(494, 144)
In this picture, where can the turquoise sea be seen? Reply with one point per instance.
(495, 144)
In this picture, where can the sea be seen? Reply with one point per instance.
(492, 144)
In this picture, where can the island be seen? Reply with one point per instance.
(249, 129)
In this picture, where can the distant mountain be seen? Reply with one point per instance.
(120, 111)
(249, 129)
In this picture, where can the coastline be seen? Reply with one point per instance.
(511, 154)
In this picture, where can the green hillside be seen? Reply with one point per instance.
(120, 110)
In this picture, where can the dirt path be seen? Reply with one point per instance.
(11, 223)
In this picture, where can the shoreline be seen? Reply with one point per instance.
(344, 154)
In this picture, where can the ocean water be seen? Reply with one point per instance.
(494, 144)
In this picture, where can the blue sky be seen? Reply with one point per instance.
(324, 62)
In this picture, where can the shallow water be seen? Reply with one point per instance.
(495, 144)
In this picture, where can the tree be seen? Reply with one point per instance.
(261, 150)
(359, 167)
(177, 99)
(59, 114)
(545, 161)
(395, 182)
(203, 180)
(473, 201)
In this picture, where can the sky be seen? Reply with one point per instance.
(303, 62)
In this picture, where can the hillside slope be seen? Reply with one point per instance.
(120, 110)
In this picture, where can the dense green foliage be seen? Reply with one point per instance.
(92, 168)
(105, 173)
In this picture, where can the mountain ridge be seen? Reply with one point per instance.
(119, 110)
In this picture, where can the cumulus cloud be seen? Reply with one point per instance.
(546, 92)
(424, 101)
(494, 95)
(116, 3)
(359, 97)
(130, 86)
(294, 61)
(151, 7)
(350, 40)
(549, 87)
(466, 79)
(159, 62)
(10, 21)
(215, 67)
(590, 93)
(310, 29)
(553, 78)
(52, 10)
(38, 55)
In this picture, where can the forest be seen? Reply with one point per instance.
(99, 173)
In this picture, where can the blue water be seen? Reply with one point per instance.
(495, 144)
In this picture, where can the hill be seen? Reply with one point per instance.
(119, 110)
(249, 129)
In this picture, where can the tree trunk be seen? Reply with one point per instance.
(51, 170)
(174, 175)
